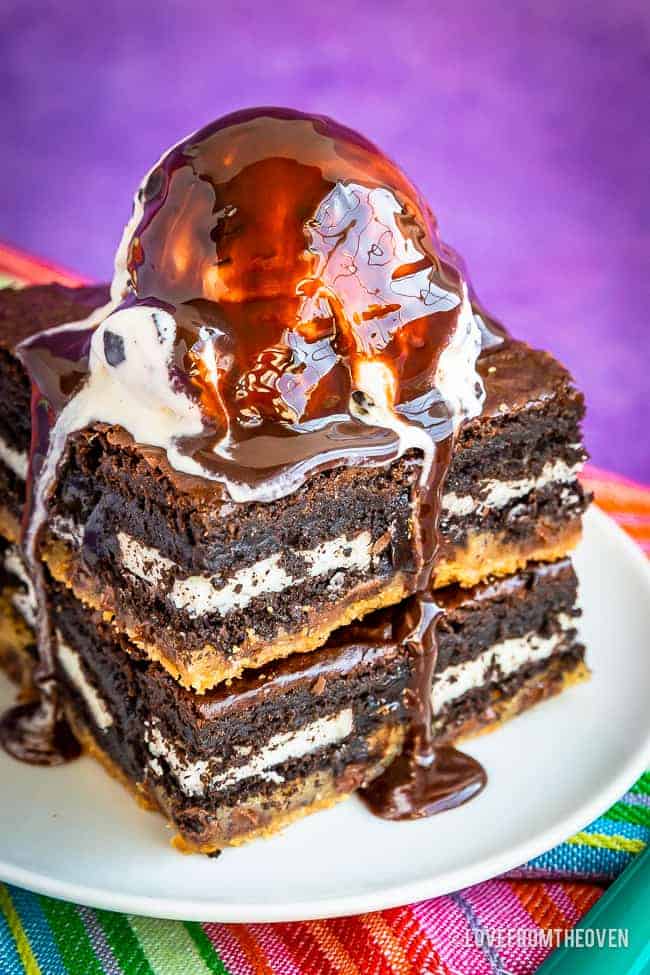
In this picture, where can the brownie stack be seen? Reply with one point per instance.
(161, 596)
(236, 653)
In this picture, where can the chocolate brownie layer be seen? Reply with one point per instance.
(248, 583)
(240, 759)
(512, 491)
(253, 584)
(210, 587)
(23, 312)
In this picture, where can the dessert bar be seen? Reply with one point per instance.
(251, 755)
(210, 588)
(293, 510)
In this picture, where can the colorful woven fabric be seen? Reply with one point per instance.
(443, 936)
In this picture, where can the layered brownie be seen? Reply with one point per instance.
(209, 587)
(512, 491)
(251, 755)
(289, 497)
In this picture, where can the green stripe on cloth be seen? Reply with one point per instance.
(642, 787)
(125, 945)
(621, 812)
(14, 924)
(169, 948)
(206, 949)
(70, 935)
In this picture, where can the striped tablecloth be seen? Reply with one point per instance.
(443, 936)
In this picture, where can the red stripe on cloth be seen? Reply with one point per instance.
(251, 948)
(360, 945)
(591, 472)
(418, 935)
(26, 269)
(390, 943)
(538, 903)
(315, 950)
(620, 504)
(620, 493)
(584, 896)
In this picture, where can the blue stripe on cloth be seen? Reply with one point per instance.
(577, 862)
(39, 933)
(478, 932)
(636, 799)
(10, 963)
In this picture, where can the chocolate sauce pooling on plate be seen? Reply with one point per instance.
(282, 304)
(425, 779)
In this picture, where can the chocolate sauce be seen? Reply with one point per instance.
(303, 255)
(424, 779)
(283, 301)
(36, 731)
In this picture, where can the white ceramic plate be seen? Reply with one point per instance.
(74, 833)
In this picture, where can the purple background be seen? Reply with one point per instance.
(526, 125)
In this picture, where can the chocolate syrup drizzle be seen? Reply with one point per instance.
(289, 284)
(425, 778)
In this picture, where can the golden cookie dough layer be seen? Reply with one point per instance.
(484, 555)
(210, 666)
(488, 555)
(258, 816)
(9, 525)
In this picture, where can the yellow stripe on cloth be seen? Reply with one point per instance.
(23, 948)
(620, 843)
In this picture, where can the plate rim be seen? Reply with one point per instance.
(395, 895)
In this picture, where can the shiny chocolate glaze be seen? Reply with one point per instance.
(282, 304)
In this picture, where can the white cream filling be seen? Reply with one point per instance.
(198, 594)
(498, 494)
(508, 656)
(23, 601)
(67, 530)
(197, 778)
(71, 663)
(15, 460)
